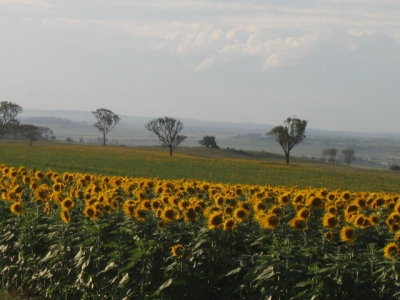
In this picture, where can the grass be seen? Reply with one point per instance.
(227, 166)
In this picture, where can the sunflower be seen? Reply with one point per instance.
(361, 202)
(184, 204)
(330, 220)
(17, 189)
(298, 224)
(43, 192)
(67, 204)
(16, 208)
(276, 210)
(373, 220)
(228, 210)
(229, 224)
(146, 204)
(259, 206)
(39, 175)
(155, 204)
(219, 200)
(391, 250)
(304, 213)
(315, 203)
(348, 234)
(140, 214)
(215, 220)
(58, 187)
(269, 221)
(26, 180)
(90, 212)
(359, 221)
(189, 214)
(346, 195)
(331, 196)
(114, 204)
(328, 236)
(178, 251)
(331, 209)
(284, 199)
(378, 202)
(169, 214)
(65, 216)
(352, 209)
(240, 214)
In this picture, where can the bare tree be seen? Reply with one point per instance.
(348, 155)
(106, 121)
(289, 135)
(167, 130)
(8, 114)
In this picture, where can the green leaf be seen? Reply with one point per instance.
(234, 271)
(165, 285)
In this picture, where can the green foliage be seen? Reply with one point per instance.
(8, 114)
(289, 135)
(209, 142)
(105, 121)
(119, 258)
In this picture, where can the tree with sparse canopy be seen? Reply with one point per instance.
(8, 114)
(289, 135)
(348, 155)
(209, 142)
(33, 133)
(106, 121)
(167, 130)
(330, 153)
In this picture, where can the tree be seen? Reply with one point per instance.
(348, 155)
(209, 142)
(289, 135)
(33, 133)
(330, 153)
(8, 114)
(167, 130)
(106, 121)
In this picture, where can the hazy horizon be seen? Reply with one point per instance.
(335, 63)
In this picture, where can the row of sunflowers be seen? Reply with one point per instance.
(220, 205)
(92, 236)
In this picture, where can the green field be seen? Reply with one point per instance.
(226, 166)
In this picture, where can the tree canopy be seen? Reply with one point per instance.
(209, 142)
(330, 153)
(348, 155)
(289, 135)
(167, 130)
(106, 121)
(8, 114)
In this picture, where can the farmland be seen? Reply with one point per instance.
(89, 222)
(196, 163)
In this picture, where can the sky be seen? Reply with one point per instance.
(335, 63)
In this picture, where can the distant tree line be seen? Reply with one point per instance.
(11, 128)
(348, 155)
(167, 129)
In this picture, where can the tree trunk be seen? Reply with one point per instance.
(104, 139)
(287, 158)
(170, 151)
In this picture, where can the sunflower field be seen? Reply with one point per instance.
(84, 236)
